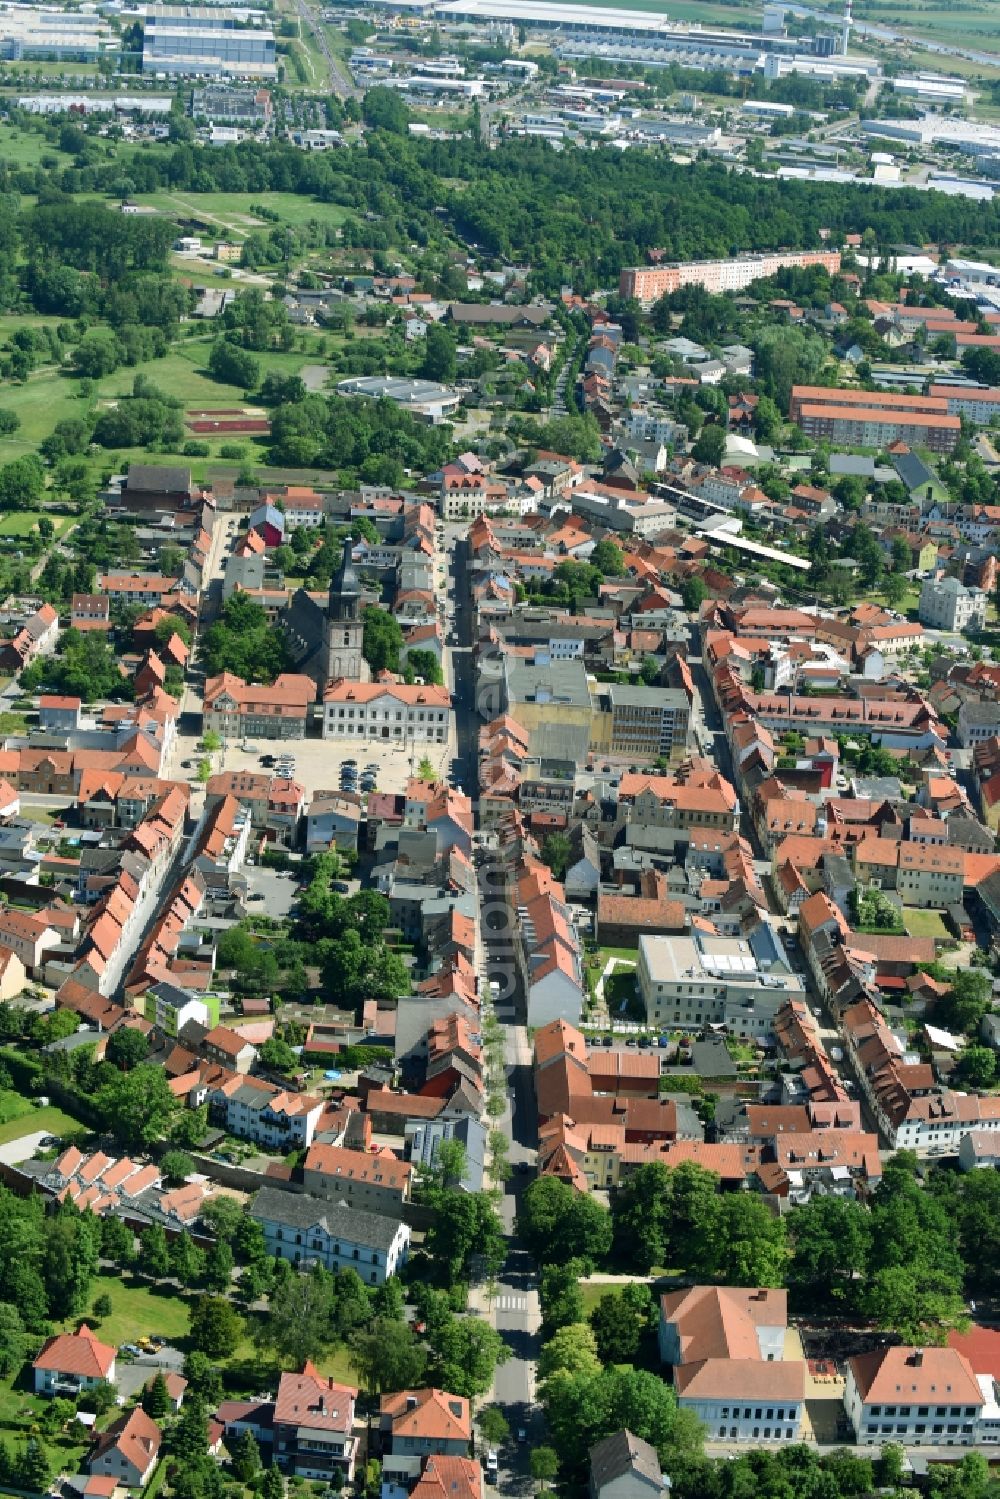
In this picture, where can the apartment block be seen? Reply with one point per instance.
(648, 283)
(872, 427)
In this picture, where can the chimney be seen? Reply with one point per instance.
(918, 1358)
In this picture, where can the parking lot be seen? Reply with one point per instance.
(272, 892)
(318, 762)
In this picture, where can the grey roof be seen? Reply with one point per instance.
(157, 478)
(967, 831)
(559, 682)
(170, 995)
(624, 1453)
(499, 314)
(647, 697)
(980, 712)
(300, 1211)
(912, 470)
(852, 463)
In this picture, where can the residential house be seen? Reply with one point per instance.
(127, 1450)
(333, 820)
(624, 1466)
(313, 1426)
(72, 1362)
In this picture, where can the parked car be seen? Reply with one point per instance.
(341, 887)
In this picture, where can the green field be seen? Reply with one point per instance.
(23, 522)
(49, 396)
(30, 1121)
(136, 1311)
(920, 923)
(233, 212)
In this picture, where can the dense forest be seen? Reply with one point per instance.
(572, 215)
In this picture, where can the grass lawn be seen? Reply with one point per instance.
(234, 211)
(20, 1411)
(50, 1120)
(137, 1310)
(921, 923)
(13, 1107)
(19, 523)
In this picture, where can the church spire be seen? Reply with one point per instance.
(345, 590)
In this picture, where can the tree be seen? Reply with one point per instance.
(560, 1295)
(921, 1304)
(137, 1107)
(977, 1066)
(388, 1357)
(439, 354)
(245, 1455)
(381, 639)
(466, 1226)
(222, 1216)
(219, 1265)
(102, 1307)
(32, 1469)
(693, 593)
(894, 588)
(710, 445)
(155, 1397)
(176, 1165)
(232, 365)
(12, 1339)
(117, 1241)
(621, 1321)
(466, 1353)
(964, 1008)
(297, 1326)
(126, 1048)
(831, 1239)
(745, 1243)
(69, 1260)
(556, 849)
(203, 1376)
(767, 423)
(559, 1224)
(582, 1409)
(278, 1055)
(383, 109)
(272, 1484)
(571, 1350)
(544, 1465)
(493, 1425)
(215, 1327)
(187, 1261)
(154, 1256)
(607, 557)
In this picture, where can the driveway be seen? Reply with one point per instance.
(23, 1149)
(133, 1377)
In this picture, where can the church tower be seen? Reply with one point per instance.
(344, 628)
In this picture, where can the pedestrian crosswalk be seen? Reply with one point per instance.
(511, 1303)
